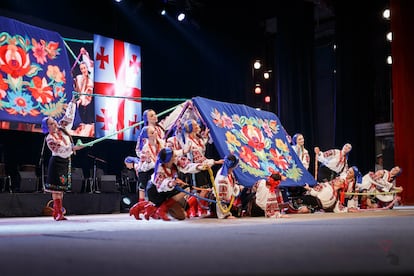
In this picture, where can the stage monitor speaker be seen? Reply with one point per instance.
(108, 183)
(77, 184)
(28, 181)
(77, 180)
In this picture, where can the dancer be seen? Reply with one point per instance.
(226, 187)
(268, 196)
(298, 142)
(163, 198)
(83, 84)
(333, 162)
(386, 190)
(195, 140)
(352, 178)
(150, 146)
(58, 180)
(150, 118)
(324, 196)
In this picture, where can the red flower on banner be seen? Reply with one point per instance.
(278, 159)
(254, 136)
(41, 91)
(249, 157)
(14, 61)
(3, 87)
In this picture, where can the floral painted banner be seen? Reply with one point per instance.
(257, 138)
(34, 68)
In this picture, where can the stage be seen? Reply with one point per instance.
(32, 204)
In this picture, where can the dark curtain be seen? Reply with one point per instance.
(360, 30)
(402, 23)
(294, 62)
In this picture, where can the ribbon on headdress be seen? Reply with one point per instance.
(45, 127)
(164, 156)
(131, 159)
(357, 175)
(228, 164)
(188, 128)
(145, 117)
(143, 135)
(295, 138)
(274, 180)
(342, 196)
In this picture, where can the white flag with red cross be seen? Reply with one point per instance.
(117, 81)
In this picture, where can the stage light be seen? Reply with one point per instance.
(257, 64)
(267, 99)
(389, 36)
(386, 14)
(163, 12)
(389, 60)
(181, 16)
(257, 89)
(125, 203)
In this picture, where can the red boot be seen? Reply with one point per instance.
(138, 208)
(55, 209)
(162, 211)
(59, 209)
(192, 209)
(203, 208)
(150, 211)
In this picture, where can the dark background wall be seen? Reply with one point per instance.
(328, 95)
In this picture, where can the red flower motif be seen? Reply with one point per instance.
(248, 157)
(14, 61)
(254, 136)
(3, 87)
(41, 91)
(278, 159)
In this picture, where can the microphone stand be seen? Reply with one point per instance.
(94, 184)
(42, 165)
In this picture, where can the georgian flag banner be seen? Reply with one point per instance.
(117, 73)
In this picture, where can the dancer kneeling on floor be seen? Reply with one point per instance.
(163, 198)
(266, 198)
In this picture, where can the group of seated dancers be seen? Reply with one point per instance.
(176, 180)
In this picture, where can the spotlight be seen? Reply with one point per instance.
(386, 14)
(257, 64)
(125, 203)
(163, 12)
(181, 16)
(389, 36)
(257, 89)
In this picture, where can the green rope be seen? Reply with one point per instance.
(70, 50)
(134, 98)
(77, 40)
(74, 40)
(91, 143)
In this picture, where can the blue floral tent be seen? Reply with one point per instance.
(256, 137)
